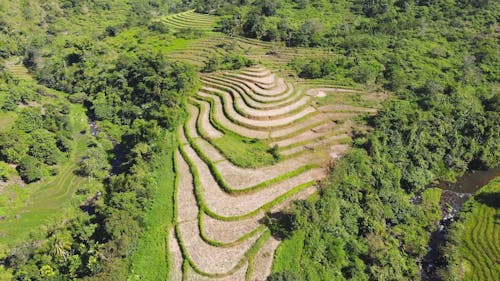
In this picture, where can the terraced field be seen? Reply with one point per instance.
(252, 143)
(479, 250)
(48, 199)
(221, 203)
(215, 44)
(190, 19)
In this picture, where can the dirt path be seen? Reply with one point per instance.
(263, 261)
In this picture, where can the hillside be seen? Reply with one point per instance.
(241, 140)
(472, 248)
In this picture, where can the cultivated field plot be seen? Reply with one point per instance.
(25, 208)
(214, 44)
(252, 143)
(479, 249)
(190, 19)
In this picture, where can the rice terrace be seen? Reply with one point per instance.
(263, 140)
(222, 196)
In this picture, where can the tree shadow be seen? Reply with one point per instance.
(281, 224)
(491, 199)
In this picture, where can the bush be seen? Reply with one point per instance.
(6, 172)
(44, 147)
(78, 98)
(31, 169)
(314, 68)
(29, 120)
(158, 26)
(189, 33)
(235, 61)
(283, 276)
(211, 65)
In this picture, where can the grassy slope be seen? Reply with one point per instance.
(150, 261)
(38, 202)
(477, 235)
(48, 196)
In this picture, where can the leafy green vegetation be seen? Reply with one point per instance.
(472, 249)
(150, 261)
(29, 209)
(112, 190)
(137, 95)
(232, 61)
(243, 152)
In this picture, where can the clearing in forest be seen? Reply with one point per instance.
(253, 142)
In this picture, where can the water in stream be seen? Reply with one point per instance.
(452, 199)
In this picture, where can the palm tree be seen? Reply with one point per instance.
(60, 245)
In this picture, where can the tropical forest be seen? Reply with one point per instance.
(249, 140)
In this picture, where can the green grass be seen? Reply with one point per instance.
(241, 151)
(150, 261)
(288, 255)
(38, 203)
(7, 119)
(244, 152)
(477, 236)
(354, 99)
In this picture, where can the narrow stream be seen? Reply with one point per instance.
(118, 150)
(452, 199)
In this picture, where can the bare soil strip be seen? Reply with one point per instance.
(237, 276)
(253, 73)
(250, 90)
(176, 256)
(211, 259)
(182, 137)
(337, 151)
(263, 261)
(187, 207)
(249, 100)
(273, 90)
(302, 195)
(312, 146)
(266, 125)
(308, 135)
(228, 205)
(316, 91)
(266, 80)
(229, 231)
(299, 127)
(204, 119)
(276, 92)
(239, 178)
(193, 116)
(198, 250)
(347, 108)
(220, 118)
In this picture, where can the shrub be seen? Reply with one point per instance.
(6, 172)
(158, 26)
(31, 169)
(189, 33)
